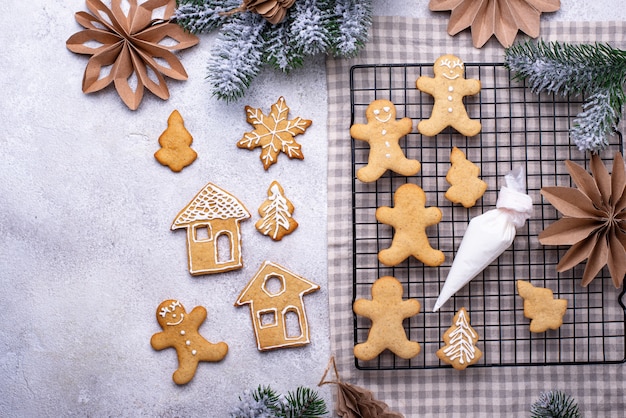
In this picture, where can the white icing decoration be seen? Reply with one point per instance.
(449, 98)
(386, 108)
(182, 332)
(461, 341)
(194, 352)
(451, 78)
(384, 132)
(388, 155)
(182, 316)
(387, 144)
(188, 342)
(450, 88)
(449, 110)
(376, 112)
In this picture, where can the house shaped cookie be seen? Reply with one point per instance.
(276, 307)
(213, 235)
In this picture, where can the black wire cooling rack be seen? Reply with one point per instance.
(519, 128)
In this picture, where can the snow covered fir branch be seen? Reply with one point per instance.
(555, 404)
(597, 71)
(247, 42)
(264, 402)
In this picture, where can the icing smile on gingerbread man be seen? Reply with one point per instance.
(452, 67)
(386, 109)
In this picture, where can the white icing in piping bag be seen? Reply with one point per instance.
(489, 235)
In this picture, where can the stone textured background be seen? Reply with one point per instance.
(87, 255)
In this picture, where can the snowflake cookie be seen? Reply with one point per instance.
(274, 133)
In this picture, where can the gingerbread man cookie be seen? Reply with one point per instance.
(386, 310)
(383, 132)
(409, 218)
(180, 331)
(448, 88)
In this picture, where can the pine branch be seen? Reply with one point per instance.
(262, 403)
(236, 56)
(598, 71)
(353, 19)
(202, 16)
(555, 404)
(305, 403)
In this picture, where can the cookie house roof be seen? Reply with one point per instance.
(211, 203)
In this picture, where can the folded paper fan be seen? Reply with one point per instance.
(594, 219)
(131, 50)
(502, 18)
(355, 401)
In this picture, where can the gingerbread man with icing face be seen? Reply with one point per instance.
(383, 132)
(448, 88)
(386, 310)
(180, 331)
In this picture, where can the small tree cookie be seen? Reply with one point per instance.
(409, 218)
(276, 220)
(180, 331)
(448, 88)
(465, 186)
(386, 310)
(540, 307)
(383, 132)
(460, 350)
(175, 142)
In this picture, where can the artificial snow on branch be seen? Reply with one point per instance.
(555, 404)
(597, 71)
(247, 42)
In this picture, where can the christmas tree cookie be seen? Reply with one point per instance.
(460, 350)
(465, 186)
(175, 142)
(276, 220)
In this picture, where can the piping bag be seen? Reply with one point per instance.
(489, 235)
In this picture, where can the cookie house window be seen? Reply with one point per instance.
(274, 285)
(223, 248)
(267, 318)
(292, 324)
(202, 232)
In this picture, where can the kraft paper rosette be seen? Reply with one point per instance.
(489, 235)
(133, 51)
(594, 219)
(502, 18)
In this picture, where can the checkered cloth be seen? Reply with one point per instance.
(424, 392)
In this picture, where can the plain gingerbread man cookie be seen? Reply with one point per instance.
(448, 88)
(180, 331)
(383, 132)
(409, 217)
(386, 310)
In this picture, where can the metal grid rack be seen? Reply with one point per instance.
(518, 128)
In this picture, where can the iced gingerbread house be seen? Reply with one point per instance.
(213, 235)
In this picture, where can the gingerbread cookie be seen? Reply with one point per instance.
(180, 331)
(275, 296)
(448, 88)
(383, 132)
(276, 220)
(213, 235)
(175, 142)
(465, 186)
(540, 307)
(460, 350)
(409, 217)
(386, 310)
(274, 133)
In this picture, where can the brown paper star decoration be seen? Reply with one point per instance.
(355, 401)
(502, 18)
(132, 50)
(274, 11)
(594, 219)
